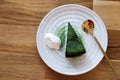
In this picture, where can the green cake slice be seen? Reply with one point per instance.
(74, 45)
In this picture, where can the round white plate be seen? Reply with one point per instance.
(76, 15)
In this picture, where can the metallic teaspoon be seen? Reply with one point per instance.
(88, 27)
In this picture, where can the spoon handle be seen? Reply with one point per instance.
(104, 53)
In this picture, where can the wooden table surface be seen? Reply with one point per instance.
(19, 58)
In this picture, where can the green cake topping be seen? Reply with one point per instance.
(74, 45)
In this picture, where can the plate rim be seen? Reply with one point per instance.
(71, 74)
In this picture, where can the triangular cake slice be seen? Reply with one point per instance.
(74, 45)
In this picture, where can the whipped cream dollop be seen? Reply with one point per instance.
(52, 41)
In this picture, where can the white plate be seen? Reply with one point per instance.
(76, 15)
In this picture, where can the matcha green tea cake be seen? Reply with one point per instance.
(74, 45)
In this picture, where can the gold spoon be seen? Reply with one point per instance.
(88, 27)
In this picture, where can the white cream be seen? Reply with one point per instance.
(52, 41)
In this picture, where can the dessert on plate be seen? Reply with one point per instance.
(74, 46)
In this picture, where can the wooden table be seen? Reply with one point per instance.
(19, 58)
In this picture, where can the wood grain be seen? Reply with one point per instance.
(19, 20)
(109, 12)
(114, 44)
(19, 59)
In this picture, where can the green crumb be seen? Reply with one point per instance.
(61, 34)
